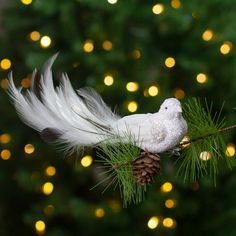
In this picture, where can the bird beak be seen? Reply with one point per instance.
(179, 109)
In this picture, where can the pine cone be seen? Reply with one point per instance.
(145, 167)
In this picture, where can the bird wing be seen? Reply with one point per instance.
(75, 118)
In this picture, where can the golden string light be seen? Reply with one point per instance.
(166, 187)
(40, 227)
(230, 150)
(45, 41)
(86, 161)
(88, 46)
(26, 2)
(35, 35)
(132, 106)
(132, 86)
(107, 45)
(108, 80)
(112, 1)
(207, 35)
(26, 83)
(5, 64)
(158, 8)
(5, 154)
(169, 222)
(47, 188)
(176, 4)
(170, 62)
(5, 138)
(153, 222)
(50, 171)
(136, 54)
(226, 47)
(4, 83)
(29, 148)
(205, 156)
(99, 212)
(170, 203)
(179, 93)
(153, 91)
(201, 78)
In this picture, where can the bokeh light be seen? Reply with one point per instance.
(112, 1)
(107, 45)
(40, 227)
(179, 93)
(47, 188)
(132, 106)
(169, 222)
(26, 2)
(45, 41)
(50, 171)
(205, 156)
(99, 212)
(153, 91)
(5, 154)
(5, 138)
(166, 187)
(176, 4)
(201, 78)
(86, 161)
(5, 64)
(207, 35)
(132, 86)
(35, 35)
(88, 46)
(230, 150)
(108, 80)
(136, 54)
(48, 210)
(153, 222)
(29, 148)
(158, 8)
(170, 62)
(226, 47)
(170, 203)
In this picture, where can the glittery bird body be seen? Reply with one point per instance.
(82, 118)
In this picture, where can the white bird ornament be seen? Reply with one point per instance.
(81, 118)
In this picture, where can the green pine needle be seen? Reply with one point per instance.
(117, 158)
(206, 149)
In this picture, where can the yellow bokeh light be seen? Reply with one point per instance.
(29, 148)
(170, 203)
(47, 188)
(153, 91)
(179, 93)
(230, 150)
(136, 54)
(26, 2)
(166, 187)
(158, 8)
(153, 222)
(26, 83)
(40, 227)
(205, 156)
(170, 62)
(132, 106)
(5, 64)
(88, 46)
(35, 35)
(5, 154)
(185, 142)
(201, 78)
(112, 1)
(132, 86)
(176, 4)
(169, 222)
(99, 212)
(108, 80)
(207, 35)
(48, 210)
(4, 83)
(5, 138)
(107, 45)
(226, 47)
(50, 171)
(45, 41)
(86, 161)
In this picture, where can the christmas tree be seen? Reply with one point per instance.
(135, 54)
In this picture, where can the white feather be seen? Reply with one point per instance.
(81, 118)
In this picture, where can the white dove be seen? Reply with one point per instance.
(83, 119)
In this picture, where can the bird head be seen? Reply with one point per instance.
(171, 108)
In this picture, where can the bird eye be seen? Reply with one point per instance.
(166, 108)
